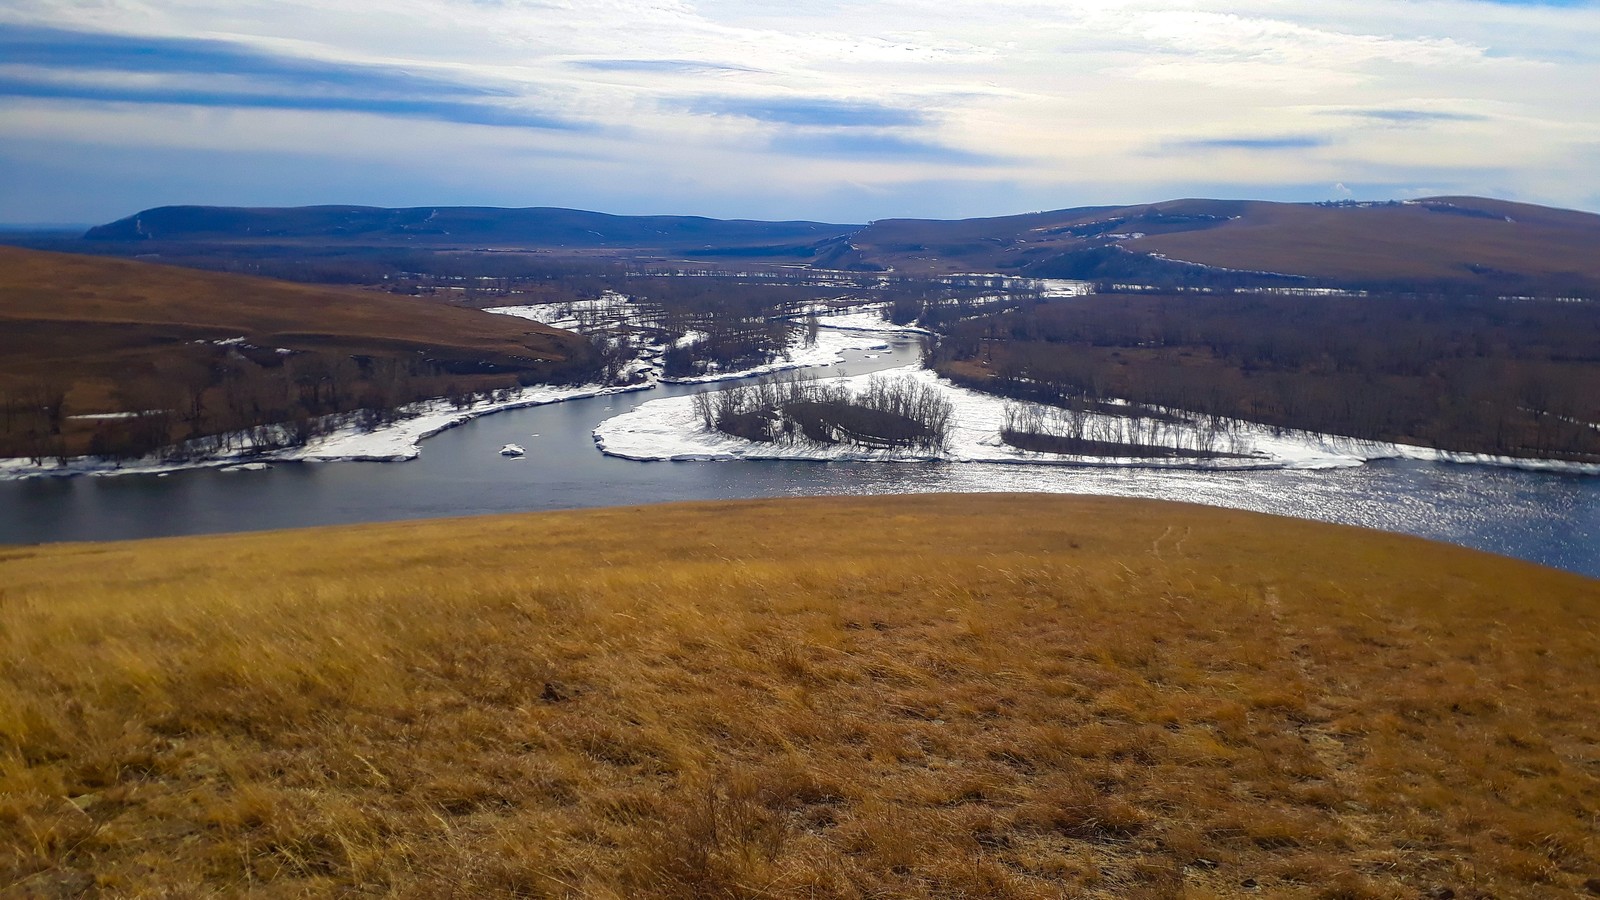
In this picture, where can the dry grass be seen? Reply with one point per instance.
(98, 324)
(925, 696)
(1383, 243)
(1394, 242)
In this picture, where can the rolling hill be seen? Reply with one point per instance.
(119, 336)
(1440, 242)
(457, 226)
(928, 696)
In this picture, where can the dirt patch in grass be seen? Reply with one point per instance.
(999, 695)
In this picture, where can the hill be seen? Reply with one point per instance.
(456, 226)
(1450, 240)
(1439, 243)
(87, 335)
(1009, 696)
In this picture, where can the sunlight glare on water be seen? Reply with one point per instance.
(1546, 518)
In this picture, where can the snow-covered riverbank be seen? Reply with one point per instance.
(669, 429)
(828, 350)
(867, 320)
(401, 440)
(388, 443)
(837, 334)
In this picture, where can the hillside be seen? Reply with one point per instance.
(456, 226)
(1441, 243)
(88, 335)
(1448, 239)
(1003, 695)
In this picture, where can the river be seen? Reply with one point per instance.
(1550, 519)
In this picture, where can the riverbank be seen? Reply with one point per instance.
(394, 442)
(670, 429)
(401, 440)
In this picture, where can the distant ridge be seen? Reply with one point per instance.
(459, 226)
(1431, 240)
(1446, 243)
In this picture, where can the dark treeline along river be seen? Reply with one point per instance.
(1550, 519)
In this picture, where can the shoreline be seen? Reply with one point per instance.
(661, 431)
(401, 440)
(667, 430)
(396, 442)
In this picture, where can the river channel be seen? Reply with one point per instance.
(1550, 519)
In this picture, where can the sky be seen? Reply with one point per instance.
(810, 109)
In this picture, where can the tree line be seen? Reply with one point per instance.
(798, 409)
(214, 399)
(1081, 427)
(1479, 375)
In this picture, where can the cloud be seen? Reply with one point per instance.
(58, 64)
(813, 111)
(670, 66)
(72, 51)
(1410, 116)
(1266, 144)
(440, 110)
(853, 145)
(785, 110)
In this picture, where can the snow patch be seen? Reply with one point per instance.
(828, 350)
(610, 308)
(118, 415)
(867, 320)
(389, 443)
(669, 429)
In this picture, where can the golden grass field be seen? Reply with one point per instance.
(1402, 243)
(940, 696)
(1395, 242)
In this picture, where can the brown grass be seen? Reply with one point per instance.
(100, 324)
(1351, 244)
(1394, 242)
(944, 696)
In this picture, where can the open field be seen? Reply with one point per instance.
(1438, 239)
(105, 335)
(946, 696)
(1464, 241)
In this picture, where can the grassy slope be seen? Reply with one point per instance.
(1393, 242)
(931, 695)
(1347, 243)
(100, 322)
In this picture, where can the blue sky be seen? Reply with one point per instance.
(821, 109)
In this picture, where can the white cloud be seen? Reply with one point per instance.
(1067, 98)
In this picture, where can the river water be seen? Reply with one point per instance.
(1551, 519)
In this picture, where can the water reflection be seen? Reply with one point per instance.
(1546, 518)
